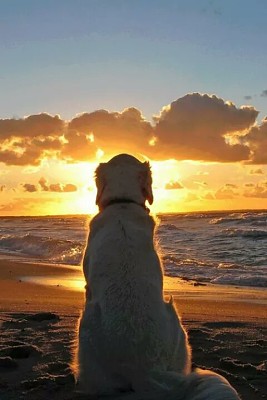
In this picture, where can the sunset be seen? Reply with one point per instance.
(205, 154)
(203, 129)
(133, 192)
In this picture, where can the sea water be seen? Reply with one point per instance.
(216, 247)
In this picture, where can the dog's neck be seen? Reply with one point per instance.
(121, 201)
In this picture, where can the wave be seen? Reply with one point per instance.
(241, 280)
(221, 248)
(259, 219)
(215, 273)
(245, 233)
(43, 248)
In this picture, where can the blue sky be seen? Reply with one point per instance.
(66, 57)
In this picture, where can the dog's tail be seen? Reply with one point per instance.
(198, 385)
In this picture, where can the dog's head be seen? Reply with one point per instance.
(123, 178)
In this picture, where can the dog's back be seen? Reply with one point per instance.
(125, 279)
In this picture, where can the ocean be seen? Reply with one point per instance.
(216, 247)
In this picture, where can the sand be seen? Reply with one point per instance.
(227, 330)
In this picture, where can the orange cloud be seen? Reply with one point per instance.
(125, 131)
(26, 141)
(28, 187)
(173, 185)
(194, 127)
(256, 139)
(77, 147)
(226, 192)
(31, 126)
(259, 190)
(53, 187)
(257, 171)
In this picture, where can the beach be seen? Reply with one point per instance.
(226, 325)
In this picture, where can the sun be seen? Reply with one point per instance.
(85, 201)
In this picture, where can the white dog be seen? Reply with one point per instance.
(130, 339)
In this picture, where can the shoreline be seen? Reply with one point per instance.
(66, 293)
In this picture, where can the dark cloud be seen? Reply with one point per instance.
(78, 147)
(2, 188)
(29, 156)
(256, 139)
(58, 187)
(28, 187)
(264, 93)
(248, 97)
(195, 126)
(125, 131)
(27, 141)
(44, 186)
(32, 126)
(173, 185)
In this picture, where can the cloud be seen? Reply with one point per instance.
(44, 186)
(28, 140)
(2, 188)
(231, 185)
(248, 97)
(257, 191)
(28, 156)
(58, 187)
(257, 171)
(209, 196)
(225, 193)
(125, 131)
(28, 187)
(194, 127)
(43, 183)
(78, 146)
(173, 185)
(264, 93)
(256, 139)
(31, 126)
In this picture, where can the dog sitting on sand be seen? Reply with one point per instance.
(130, 339)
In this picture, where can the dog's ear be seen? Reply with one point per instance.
(100, 181)
(145, 179)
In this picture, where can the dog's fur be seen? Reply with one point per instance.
(129, 337)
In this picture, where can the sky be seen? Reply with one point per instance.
(182, 84)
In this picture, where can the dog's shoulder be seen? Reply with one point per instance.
(123, 213)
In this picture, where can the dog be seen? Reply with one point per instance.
(129, 338)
